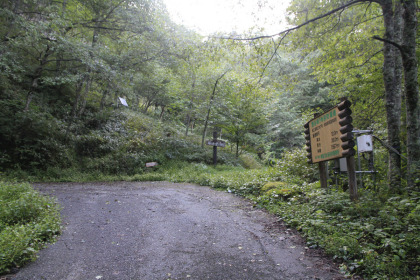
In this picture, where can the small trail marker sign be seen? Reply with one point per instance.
(215, 143)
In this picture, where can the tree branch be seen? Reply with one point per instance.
(398, 46)
(300, 25)
(68, 59)
(364, 63)
(272, 56)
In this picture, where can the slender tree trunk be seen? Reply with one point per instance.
(60, 53)
(89, 70)
(137, 103)
(36, 77)
(237, 148)
(78, 92)
(103, 99)
(29, 98)
(85, 94)
(190, 107)
(392, 83)
(187, 123)
(213, 95)
(162, 112)
(410, 64)
(147, 105)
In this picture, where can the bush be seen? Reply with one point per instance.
(92, 145)
(249, 161)
(27, 221)
(31, 140)
(294, 167)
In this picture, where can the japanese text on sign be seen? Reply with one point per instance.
(325, 136)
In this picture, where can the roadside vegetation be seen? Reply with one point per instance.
(28, 222)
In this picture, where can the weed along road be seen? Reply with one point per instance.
(161, 230)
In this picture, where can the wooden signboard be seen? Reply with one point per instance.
(217, 143)
(330, 136)
(324, 131)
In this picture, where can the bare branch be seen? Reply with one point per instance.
(364, 63)
(272, 56)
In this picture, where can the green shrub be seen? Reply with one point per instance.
(294, 167)
(272, 185)
(92, 145)
(31, 140)
(249, 161)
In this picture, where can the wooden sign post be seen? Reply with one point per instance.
(329, 136)
(215, 149)
(215, 143)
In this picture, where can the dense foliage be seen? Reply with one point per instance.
(28, 221)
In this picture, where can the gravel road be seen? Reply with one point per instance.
(161, 230)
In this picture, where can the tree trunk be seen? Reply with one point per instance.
(188, 119)
(237, 149)
(187, 123)
(36, 77)
(28, 100)
(162, 112)
(103, 99)
(392, 96)
(85, 94)
(209, 109)
(89, 70)
(147, 105)
(79, 87)
(410, 64)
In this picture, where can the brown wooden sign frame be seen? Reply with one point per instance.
(329, 136)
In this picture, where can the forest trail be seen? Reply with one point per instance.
(161, 230)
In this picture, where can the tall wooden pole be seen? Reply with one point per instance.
(323, 174)
(351, 170)
(215, 148)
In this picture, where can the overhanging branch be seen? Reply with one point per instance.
(388, 41)
(300, 25)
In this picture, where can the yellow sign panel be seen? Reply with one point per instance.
(325, 136)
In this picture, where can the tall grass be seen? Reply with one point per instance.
(28, 221)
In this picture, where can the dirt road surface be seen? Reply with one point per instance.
(161, 230)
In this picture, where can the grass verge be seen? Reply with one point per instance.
(28, 221)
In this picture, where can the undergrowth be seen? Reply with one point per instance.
(28, 221)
